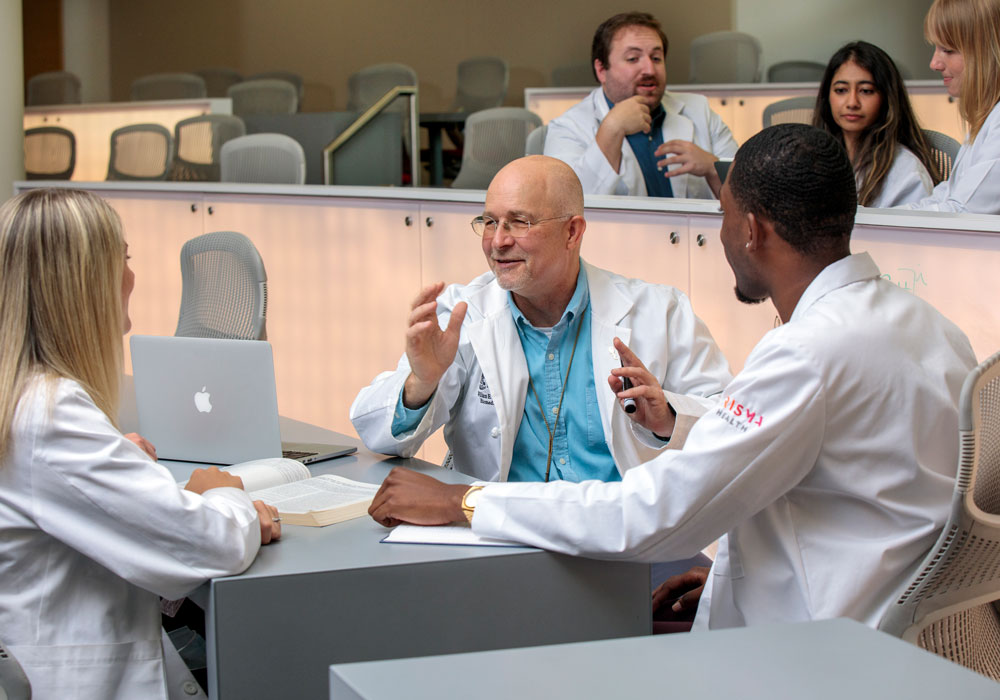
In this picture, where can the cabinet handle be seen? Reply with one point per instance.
(429, 221)
(408, 221)
(700, 240)
(674, 238)
(194, 207)
(211, 210)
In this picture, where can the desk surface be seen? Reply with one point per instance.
(337, 594)
(828, 660)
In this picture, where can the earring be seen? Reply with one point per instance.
(748, 244)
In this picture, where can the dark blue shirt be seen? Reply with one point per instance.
(644, 147)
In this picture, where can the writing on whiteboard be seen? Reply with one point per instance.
(906, 278)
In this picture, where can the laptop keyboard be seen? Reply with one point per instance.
(296, 454)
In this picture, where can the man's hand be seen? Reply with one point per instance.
(652, 411)
(411, 497)
(626, 118)
(429, 350)
(682, 592)
(212, 478)
(144, 444)
(693, 160)
(270, 529)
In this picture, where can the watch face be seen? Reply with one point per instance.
(473, 498)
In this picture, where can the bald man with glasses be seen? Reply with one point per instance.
(516, 365)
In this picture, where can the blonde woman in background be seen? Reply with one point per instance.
(966, 38)
(92, 531)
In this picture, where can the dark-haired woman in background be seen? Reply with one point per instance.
(863, 102)
(966, 38)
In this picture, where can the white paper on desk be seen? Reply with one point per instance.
(443, 534)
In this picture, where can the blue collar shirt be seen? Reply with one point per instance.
(644, 147)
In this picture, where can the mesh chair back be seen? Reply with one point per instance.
(796, 72)
(944, 150)
(168, 86)
(140, 152)
(574, 75)
(794, 110)
(273, 158)
(369, 84)
(482, 83)
(49, 153)
(224, 291)
(493, 138)
(14, 683)
(289, 77)
(725, 57)
(535, 144)
(218, 80)
(198, 144)
(949, 606)
(54, 88)
(266, 96)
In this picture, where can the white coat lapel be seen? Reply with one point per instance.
(608, 308)
(501, 359)
(677, 126)
(629, 170)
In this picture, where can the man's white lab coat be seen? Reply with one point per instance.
(570, 137)
(829, 461)
(93, 532)
(480, 399)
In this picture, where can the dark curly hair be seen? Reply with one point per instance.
(799, 178)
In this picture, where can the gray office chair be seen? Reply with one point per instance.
(289, 77)
(270, 158)
(53, 88)
(535, 143)
(493, 138)
(198, 143)
(482, 83)
(725, 57)
(950, 606)
(218, 80)
(224, 291)
(944, 149)
(794, 110)
(796, 72)
(14, 684)
(266, 96)
(49, 153)
(168, 86)
(368, 84)
(574, 75)
(140, 152)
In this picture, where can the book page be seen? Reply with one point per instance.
(264, 473)
(324, 492)
(456, 533)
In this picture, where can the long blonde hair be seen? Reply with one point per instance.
(971, 27)
(62, 255)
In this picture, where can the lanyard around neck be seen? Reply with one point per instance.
(562, 393)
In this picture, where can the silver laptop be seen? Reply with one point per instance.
(213, 401)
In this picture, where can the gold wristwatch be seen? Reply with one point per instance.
(469, 501)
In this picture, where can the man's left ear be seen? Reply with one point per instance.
(576, 226)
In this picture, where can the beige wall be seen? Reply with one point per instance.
(327, 41)
(12, 94)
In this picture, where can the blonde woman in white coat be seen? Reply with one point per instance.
(966, 38)
(92, 530)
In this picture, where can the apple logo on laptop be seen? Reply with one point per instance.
(201, 401)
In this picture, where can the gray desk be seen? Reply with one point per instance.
(828, 660)
(335, 594)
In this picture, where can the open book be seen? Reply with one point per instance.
(300, 497)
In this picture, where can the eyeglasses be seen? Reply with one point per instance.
(517, 227)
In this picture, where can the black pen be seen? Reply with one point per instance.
(627, 404)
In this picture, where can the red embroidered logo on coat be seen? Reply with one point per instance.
(738, 415)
